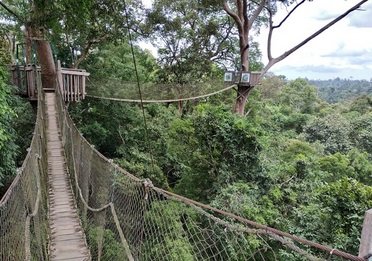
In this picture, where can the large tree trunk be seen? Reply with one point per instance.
(48, 69)
(45, 58)
(28, 44)
(241, 100)
(243, 89)
(244, 24)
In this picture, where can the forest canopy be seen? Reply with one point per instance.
(297, 156)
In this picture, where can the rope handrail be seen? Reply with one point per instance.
(262, 228)
(65, 115)
(165, 100)
(23, 206)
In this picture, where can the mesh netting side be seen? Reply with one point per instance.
(23, 209)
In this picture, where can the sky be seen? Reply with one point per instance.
(344, 50)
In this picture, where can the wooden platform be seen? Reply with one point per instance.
(67, 241)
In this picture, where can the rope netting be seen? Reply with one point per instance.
(117, 90)
(23, 209)
(126, 218)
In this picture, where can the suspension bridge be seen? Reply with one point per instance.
(69, 202)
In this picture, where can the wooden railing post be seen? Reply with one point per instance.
(59, 77)
(365, 248)
(83, 87)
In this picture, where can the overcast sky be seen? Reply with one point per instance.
(344, 50)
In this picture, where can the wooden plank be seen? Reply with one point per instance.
(72, 88)
(75, 73)
(79, 88)
(76, 83)
(83, 88)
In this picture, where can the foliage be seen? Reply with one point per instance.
(286, 164)
(124, 136)
(221, 149)
(16, 127)
(171, 232)
(333, 131)
(337, 90)
(111, 247)
(293, 161)
(246, 200)
(114, 61)
(5, 57)
(361, 133)
(191, 36)
(7, 133)
(336, 214)
(74, 28)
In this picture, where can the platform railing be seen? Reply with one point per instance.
(73, 87)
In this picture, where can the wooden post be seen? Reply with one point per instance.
(76, 87)
(83, 87)
(30, 81)
(365, 248)
(59, 77)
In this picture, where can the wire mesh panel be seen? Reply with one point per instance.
(126, 218)
(23, 209)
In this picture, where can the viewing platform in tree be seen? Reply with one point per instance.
(73, 81)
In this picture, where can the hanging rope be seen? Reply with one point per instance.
(139, 87)
(163, 101)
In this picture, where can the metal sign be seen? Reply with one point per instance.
(229, 77)
(245, 77)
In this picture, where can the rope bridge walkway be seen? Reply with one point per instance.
(67, 239)
(69, 202)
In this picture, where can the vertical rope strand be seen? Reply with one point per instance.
(147, 141)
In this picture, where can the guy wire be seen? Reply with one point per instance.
(139, 87)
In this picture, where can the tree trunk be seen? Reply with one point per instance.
(241, 100)
(243, 89)
(45, 57)
(28, 45)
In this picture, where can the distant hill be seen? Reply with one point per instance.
(337, 89)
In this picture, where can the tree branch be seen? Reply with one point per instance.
(256, 13)
(84, 54)
(12, 12)
(233, 15)
(240, 9)
(218, 49)
(270, 35)
(289, 14)
(245, 14)
(318, 32)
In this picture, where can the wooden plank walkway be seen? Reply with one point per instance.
(67, 241)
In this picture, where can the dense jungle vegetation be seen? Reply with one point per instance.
(294, 161)
(298, 159)
(16, 124)
(336, 90)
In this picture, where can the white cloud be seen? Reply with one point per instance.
(362, 18)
